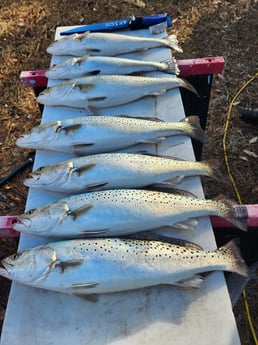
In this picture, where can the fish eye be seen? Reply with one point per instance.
(31, 211)
(16, 255)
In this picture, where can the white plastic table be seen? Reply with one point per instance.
(159, 315)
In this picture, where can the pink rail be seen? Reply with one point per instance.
(188, 67)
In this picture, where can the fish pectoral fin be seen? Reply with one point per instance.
(64, 265)
(69, 129)
(84, 168)
(152, 140)
(79, 211)
(92, 51)
(192, 282)
(80, 148)
(95, 186)
(189, 224)
(85, 87)
(84, 286)
(95, 232)
(96, 99)
(94, 72)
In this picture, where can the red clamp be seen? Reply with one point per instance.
(200, 66)
(6, 226)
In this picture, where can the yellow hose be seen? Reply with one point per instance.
(236, 189)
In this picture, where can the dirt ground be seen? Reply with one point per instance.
(204, 28)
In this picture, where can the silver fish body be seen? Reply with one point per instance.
(117, 170)
(108, 44)
(103, 91)
(78, 67)
(120, 212)
(96, 134)
(114, 265)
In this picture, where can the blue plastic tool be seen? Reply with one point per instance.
(132, 23)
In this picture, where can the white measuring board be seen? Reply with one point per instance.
(161, 315)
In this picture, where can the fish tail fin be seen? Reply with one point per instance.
(171, 66)
(230, 211)
(172, 42)
(186, 85)
(236, 263)
(194, 128)
(213, 169)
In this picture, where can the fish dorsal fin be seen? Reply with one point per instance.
(145, 153)
(84, 168)
(69, 129)
(64, 265)
(192, 282)
(149, 118)
(80, 211)
(85, 87)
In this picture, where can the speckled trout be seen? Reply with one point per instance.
(77, 67)
(114, 265)
(103, 91)
(117, 170)
(108, 44)
(95, 134)
(120, 212)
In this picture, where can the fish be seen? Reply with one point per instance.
(103, 91)
(102, 266)
(108, 44)
(121, 212)
(101, 134)
(116, 171)
(77, 67)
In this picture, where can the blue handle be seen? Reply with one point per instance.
(157, 19)
(134, 23)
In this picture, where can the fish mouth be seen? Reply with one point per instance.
(31, 179)
(22, 224)
(4, 269)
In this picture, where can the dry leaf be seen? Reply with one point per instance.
(250, 153)
(244, 158)
(253, 140)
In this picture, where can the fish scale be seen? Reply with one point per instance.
(114, 265)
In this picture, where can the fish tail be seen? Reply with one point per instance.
(235, 261)
(172, 42)
(194, 128)
(186, 85)
(171, 66)
(213, 169)
(229, 211)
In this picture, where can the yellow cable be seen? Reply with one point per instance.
(235, 186)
